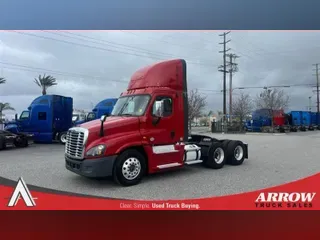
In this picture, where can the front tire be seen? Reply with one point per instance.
(62, 137)
(21, 142)
(130, 167)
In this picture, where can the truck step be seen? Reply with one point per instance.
(169, 165)
(193, 162)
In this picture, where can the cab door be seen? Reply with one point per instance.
(24, 121)
(162, 132)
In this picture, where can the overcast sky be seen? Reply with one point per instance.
(93, 65)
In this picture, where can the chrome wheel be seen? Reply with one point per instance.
(131, 168)
(238, 153)
(218, 155)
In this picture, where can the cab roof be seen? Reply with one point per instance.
(170, 74)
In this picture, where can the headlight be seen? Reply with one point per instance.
(96, 151)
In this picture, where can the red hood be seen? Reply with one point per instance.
(112, 125)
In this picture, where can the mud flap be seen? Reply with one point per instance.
(245, 150)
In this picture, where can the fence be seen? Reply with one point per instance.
(227, 127)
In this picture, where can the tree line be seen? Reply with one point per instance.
(242, 106)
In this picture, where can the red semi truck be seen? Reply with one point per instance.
(147, 132)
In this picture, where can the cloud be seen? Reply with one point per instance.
(8, 52)
(93, 65)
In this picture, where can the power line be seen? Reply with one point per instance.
(69, 74)
(262, 87)
(164, 41)
(98, 48)
(107, 43)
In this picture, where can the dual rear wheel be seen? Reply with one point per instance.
(225, 152)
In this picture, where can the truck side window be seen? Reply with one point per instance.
(42, 116)
(167, 106)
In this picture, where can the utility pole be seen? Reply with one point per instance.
(317, 91)
(224, 70)
(233, 67)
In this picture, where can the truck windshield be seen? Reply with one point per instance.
(131, 105)
(75, 117)
(91, 116)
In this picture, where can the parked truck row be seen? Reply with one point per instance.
(292, 121)
(49, 117)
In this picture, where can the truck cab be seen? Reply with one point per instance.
(78, 117)
(104, 107)
(147, 132)
(48, 118)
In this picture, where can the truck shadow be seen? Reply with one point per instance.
(154, 179)
(108, 182)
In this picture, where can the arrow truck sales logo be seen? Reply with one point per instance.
(21, 191)
(285, 200)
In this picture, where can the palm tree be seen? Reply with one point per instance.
(2, 80)
(4, 107)
(44, 82)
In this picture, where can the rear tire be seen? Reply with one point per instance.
(216, 156)
(62, 137)
(235, 153)
(130, 167)
(225, 144)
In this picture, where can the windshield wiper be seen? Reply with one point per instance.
(126, 114)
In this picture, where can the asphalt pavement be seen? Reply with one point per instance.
(273, 159)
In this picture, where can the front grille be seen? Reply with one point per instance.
(76, 138)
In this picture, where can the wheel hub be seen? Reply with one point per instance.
(218, 155)
(238, 153)
(131, 168)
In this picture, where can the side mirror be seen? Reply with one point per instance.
(103, 118)
(159, 112)
(16, 117)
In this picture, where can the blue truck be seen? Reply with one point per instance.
(304, 120)
(48, 118)
(104, 107)
(260, 119)
(299, 120)
(315, 120)
(307, 120)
